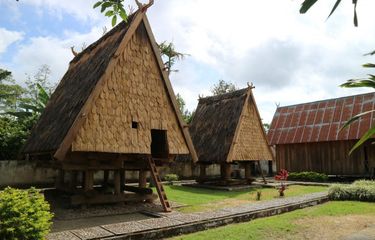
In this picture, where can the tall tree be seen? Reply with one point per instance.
(10, 92)
(223, 87)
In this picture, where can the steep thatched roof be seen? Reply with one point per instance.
(78, 89)
(75, 87)
(214, 124)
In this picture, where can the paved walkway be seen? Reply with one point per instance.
(179, 223)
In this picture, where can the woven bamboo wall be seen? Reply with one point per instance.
(135, 91)
(250, 143)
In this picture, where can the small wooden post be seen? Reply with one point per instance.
(73, 180)
(116, 182)
(247, 167)
(142, 178)
(226, 171)
(105, 178)
(89, 180)
(122, 179)
(202, 172)
(60, 179)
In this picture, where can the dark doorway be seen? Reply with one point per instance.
(159, 143)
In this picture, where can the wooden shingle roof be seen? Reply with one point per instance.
(216, 122)
(320, 121)
(79, 88)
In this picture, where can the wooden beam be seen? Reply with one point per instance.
(141, 190)
(107, 198)
(226, 170)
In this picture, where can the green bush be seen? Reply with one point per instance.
(308, 176)
(362, 190)
(171, 177)
(24, 215)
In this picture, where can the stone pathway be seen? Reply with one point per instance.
(175, 223)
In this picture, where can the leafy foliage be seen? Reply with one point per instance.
(112, 8)
(308, 176)
(223, 87)
(24, 215)
(307, 4)
(282, 176)
(362, 190)
(170, 178)
(20, 109)
(187, 116)
(170, 55)
(9, 91)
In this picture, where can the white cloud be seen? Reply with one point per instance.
(52, 51)
(291, 58)
(8, 37)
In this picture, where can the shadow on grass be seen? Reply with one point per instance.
(214, 192)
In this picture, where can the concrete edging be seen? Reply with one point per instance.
(217, 222)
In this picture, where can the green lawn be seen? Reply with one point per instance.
(296, 224)
(199, 199)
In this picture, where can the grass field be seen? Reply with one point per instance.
(332, 220)
(199, 199)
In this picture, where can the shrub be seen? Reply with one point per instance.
(308, 176)
(170, 178)
(362, 190)
(24, 215)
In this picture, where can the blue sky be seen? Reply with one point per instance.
(290, 58)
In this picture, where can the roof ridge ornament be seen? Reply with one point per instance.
(144, 7)
(250, 85)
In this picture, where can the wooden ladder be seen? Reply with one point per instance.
(158, 185)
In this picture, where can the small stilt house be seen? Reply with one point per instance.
(113, 111)
(226, 129)
(307, 137)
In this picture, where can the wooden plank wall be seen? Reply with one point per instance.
(324, 157)
(134, 92)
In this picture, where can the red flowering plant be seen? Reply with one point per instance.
(282, 177)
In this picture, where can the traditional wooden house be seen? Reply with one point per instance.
(114, 110)
(307, 137)
(226, 129)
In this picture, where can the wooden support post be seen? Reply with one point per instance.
(105, 178)
(142, 183)
(73, 180)
(202, 171)
(226, 171)
(247, 167)
(117, 182)
(261, 172)
(60, 179)
(122, 179)
(89, 181)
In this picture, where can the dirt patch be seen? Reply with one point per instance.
(332, 227)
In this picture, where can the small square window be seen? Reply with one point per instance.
(134, 124)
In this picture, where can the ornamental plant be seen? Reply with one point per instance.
(24, 215)
(282, 177)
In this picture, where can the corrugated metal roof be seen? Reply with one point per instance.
(320, 121)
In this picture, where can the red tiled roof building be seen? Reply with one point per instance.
(307, 136)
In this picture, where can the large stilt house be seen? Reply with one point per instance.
(113, 111)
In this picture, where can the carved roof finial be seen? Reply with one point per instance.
(144, 7)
